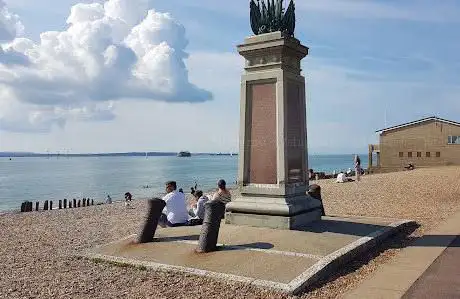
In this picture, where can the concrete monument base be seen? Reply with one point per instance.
(280, 213)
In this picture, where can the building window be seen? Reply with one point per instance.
(438, 154)
(428, 154)
(401, 154)
(419, 154)
(453, 139)
(409, 154)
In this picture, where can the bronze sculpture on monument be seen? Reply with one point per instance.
(272, 170)
(270, 17)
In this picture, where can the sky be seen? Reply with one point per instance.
(163, 75)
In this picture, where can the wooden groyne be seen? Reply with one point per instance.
(47, 205)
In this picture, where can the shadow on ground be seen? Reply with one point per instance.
(343, 227)
(256, 245)
(178, 238)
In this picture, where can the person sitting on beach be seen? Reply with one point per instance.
(128, 198)
(410, 166)
(342, 178)
(175, 212)
(197, 208)
(222, 193)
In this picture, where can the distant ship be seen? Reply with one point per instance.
(184, 154)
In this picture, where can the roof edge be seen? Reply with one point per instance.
(431, 118)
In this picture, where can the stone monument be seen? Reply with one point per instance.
(272, 171)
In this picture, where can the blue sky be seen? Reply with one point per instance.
(366, 57)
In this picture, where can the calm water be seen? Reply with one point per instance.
(37, 179)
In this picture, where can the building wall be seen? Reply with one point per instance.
(425, 137)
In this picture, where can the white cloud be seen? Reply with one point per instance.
(110, 51)
(10, 24)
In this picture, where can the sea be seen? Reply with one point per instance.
(54, 178)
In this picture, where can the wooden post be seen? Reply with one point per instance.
(87, 202)
(74, 203)
(51, 205)
(92, 201)
(70, 204)
(45, 206)
(31, 208)
(65, 203)
(84, 202)
(37, 205)
(79, 203)
(60, 204)
(23, 207)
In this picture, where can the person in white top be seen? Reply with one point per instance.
(342, 178)
(175, 212)
(198, 207)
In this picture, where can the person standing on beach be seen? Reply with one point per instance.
(357, 168)
(222, 193)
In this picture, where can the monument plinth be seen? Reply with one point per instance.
(272, 178)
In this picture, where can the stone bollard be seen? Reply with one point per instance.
(156, 207)
(315, 192)
(214, 211)
(45, 205)
(65, 203)
(51, 205)
(79, 203)
(37, 204)
(60, 204)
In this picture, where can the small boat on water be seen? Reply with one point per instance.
(184, 154)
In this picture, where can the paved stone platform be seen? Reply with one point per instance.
(286, 260)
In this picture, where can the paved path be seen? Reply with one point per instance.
(428, 268)
(442, 278)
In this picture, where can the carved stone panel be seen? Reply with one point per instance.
(261, 142)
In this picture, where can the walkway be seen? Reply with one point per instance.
(442, 279)
(428, 268)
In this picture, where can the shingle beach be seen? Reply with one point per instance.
(38, 249)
